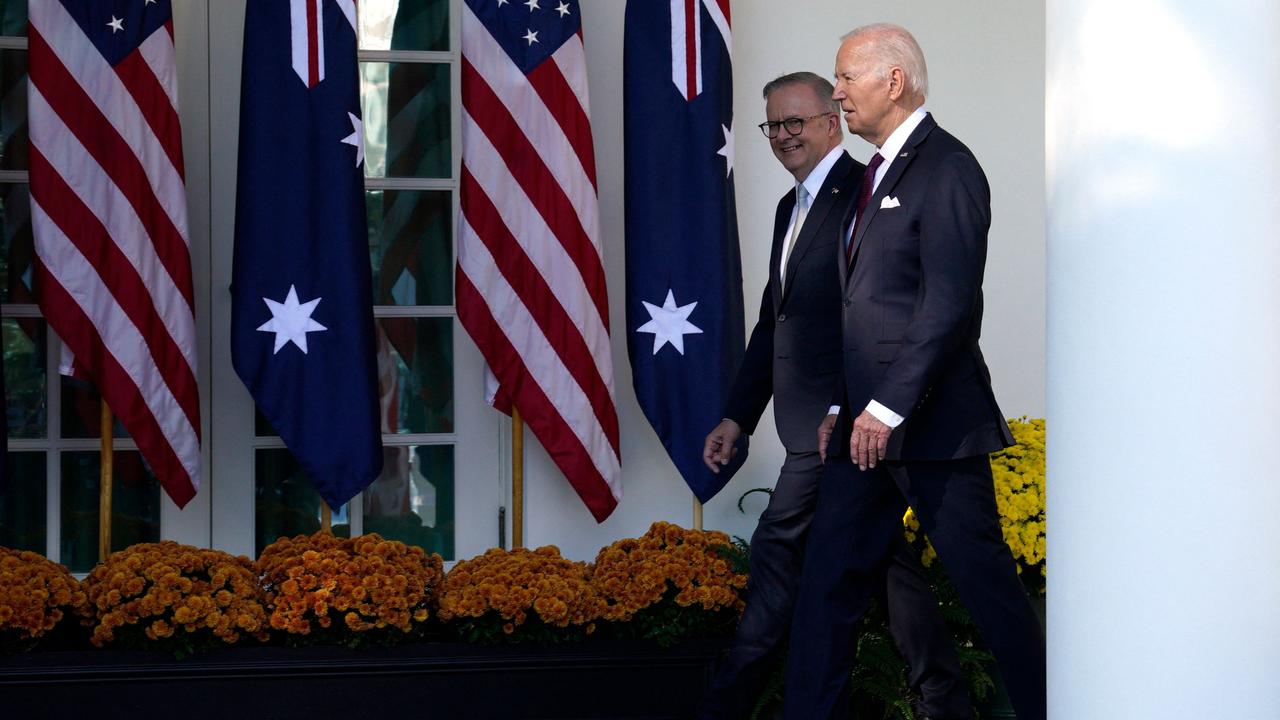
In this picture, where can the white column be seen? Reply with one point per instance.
(1163, 179)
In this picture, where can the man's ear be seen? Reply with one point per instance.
(897, 83)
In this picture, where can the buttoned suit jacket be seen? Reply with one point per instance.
(911, 306)
(794, 351)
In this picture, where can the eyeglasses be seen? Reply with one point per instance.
(794, 125)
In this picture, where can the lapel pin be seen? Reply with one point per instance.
(835, 191)
(904, 154)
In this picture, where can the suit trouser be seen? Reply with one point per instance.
(859, 514)
(777, 553)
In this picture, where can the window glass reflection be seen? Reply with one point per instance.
(412, 500)
(23, 501)
(17, 247)
(404, 24)
(285, 503)
(410, 246)
(135, 505)
(13, 100)
(25, 383)
(406, 108)
(415, 374)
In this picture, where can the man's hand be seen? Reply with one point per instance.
(719, 447)
(825, 428)
(868, 440)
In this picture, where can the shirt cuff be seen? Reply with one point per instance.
(884, 414)
(833, 410)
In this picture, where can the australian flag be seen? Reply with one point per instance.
(302, 320)
(685, 331)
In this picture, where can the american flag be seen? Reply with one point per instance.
(530, 281)
(108, 205)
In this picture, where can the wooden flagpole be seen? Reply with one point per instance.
(104, 485)
(697, 513)
(517, 479)
(326, 517)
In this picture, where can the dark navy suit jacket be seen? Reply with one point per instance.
(912, 304)
(794, 351)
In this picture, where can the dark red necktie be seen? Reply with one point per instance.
(864, 195)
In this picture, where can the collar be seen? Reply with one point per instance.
(818, 176)
(893, 145)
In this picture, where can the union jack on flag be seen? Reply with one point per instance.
(530, 280)
(109, 214)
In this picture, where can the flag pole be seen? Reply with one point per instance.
(326, 517)
(104, 485)
(697, 513)
(517, 479)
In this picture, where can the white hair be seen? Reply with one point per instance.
(892, 46)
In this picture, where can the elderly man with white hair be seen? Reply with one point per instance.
(914, 419)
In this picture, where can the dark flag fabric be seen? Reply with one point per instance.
(530, 278)
(685, 331)
(112, 259)
(302, 320)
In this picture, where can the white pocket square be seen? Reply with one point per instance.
(889, 202)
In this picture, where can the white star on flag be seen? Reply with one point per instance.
(563, 9)
(727, 150)
(291, 321)
(356, 137)
(531, 37)
(669, 323)
(116, 24)
(532, 5)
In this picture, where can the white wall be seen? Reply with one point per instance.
(986, 63)
(1163, 303)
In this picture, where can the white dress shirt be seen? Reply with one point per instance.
(812, 184)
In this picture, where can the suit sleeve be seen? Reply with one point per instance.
(953, 253)
(753, 385)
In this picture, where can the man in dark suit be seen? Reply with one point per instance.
(916, 404)
(794, 356)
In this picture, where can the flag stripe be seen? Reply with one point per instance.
(151, 401)
(119, 390)
(120, 279)
(571, 58)
(597, 492)
(114, 154)
(487, 114)
(550, 260)
(691, 40)
(92, 78)
(530, 285)
(108, 212)
(64, 156)
(521, 104)
(540, 302)
(563, 104)
(153, 102)
(157, 50)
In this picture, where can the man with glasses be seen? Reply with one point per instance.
(794, 356)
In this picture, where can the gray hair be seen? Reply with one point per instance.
(820, 86)
(892, 46)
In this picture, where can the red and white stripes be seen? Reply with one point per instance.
(686, 41)
(530, 281)
(110, 222)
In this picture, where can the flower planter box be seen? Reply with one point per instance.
(601, 679)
